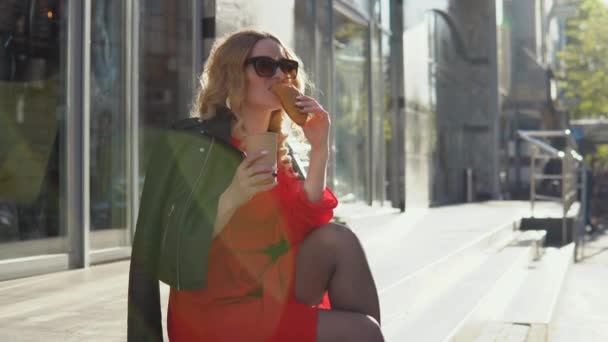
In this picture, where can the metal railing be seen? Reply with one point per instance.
(570, 162)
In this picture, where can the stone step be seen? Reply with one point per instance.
(527, 297)
(496, 332)
(537, 238)
(433, 256)
(433, 306)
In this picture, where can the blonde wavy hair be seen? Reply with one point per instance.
(223, 83)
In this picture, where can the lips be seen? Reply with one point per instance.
(287, 94)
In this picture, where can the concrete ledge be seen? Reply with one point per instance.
(30, 266)
(553, 226)
(110, 254)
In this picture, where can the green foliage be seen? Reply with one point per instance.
(601, 157)
(585, 60)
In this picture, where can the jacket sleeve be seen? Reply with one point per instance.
(144, 311)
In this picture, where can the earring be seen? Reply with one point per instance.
(228, 103)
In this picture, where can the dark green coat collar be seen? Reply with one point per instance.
(219, 126)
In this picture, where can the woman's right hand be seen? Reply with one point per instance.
(250, 178)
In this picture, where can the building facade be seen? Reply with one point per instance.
(417, 91)
(532, 33)
(451, 109)
(87, 86)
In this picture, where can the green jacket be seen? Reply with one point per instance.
(192, 164)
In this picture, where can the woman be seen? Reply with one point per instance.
(247, 248)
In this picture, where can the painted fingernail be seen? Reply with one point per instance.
(264, 152)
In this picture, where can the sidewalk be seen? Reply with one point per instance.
(90, 305)
(583, 309)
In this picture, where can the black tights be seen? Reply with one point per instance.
(332, 259)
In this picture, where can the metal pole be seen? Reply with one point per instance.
(564, 199)
(328, 43)
(533, 179)
(86, 133)
(75, 211)
(78, 195)
(370, 177)
(494, 102)
(397, 163)
(469, 184)
(585, 203)
(517, 146)
(197, 43)
(132, 104)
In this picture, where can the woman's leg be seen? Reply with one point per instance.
(337, 326)
(332, 259)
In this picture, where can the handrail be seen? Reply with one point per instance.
(545, 134)
(531, 136)
(541, 144)
(570, 161)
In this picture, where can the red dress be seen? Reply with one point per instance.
(250, 284)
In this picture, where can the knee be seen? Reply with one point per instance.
(333, 235)
(368, 331)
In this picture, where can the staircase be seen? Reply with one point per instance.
(463, 273)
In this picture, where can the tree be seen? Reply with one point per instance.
(585, 60)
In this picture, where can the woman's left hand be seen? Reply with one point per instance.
(316, 129)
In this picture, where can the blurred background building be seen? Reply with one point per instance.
(419, 92)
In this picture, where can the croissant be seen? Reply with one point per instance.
(287, 95)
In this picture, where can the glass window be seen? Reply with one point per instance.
(420, 104)
(275, 16)
(393, 129)
(32, 116)
(304, 37)
(359, 5)
(379, 115)
(166, 70)
(351, 137)
(385, 13)
(108, 173)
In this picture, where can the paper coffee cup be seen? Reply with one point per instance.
(265, 141)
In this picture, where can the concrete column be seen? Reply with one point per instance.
(494, 107)
(208, 28)
(77, 173)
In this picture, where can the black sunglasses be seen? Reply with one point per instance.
(267, 67)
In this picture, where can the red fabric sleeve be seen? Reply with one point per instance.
(303, 215)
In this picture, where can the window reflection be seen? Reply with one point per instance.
(420, 106)
(379, 114)
(166, 70)
(351, 117)
(108, 146)
(32, 102)
(275, 16)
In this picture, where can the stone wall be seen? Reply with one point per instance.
(448, 116)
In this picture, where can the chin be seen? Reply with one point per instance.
(273, 106)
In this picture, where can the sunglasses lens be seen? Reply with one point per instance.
(265, 67)
(290, 68)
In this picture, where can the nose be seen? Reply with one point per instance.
(280, 75)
